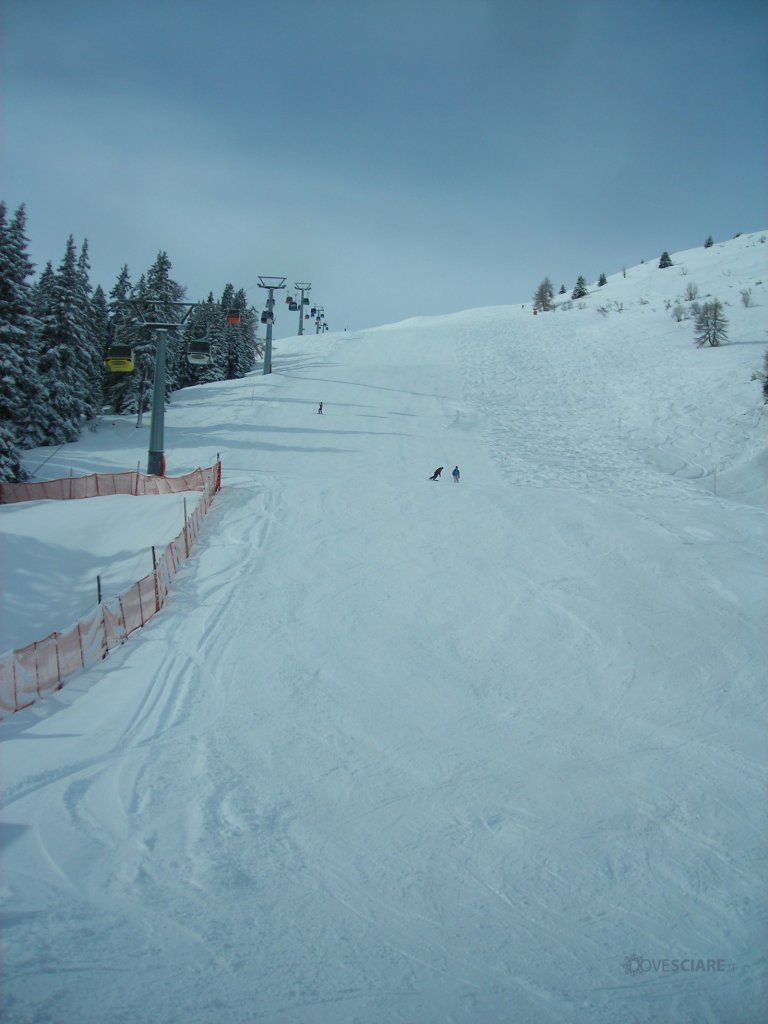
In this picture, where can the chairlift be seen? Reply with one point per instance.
(305, 301)
(233, 316)
(313, 311)
(119, 358)
(267, 317)
(288, 300)
(293, 307)
(199, 352)
(306, 316)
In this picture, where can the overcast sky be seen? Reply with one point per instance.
(405, 156)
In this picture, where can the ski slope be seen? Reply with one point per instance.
(403, 751)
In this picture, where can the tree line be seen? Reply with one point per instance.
(56, 331)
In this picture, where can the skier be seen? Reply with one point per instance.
(436, 474)
(456, 474)
(320, 409)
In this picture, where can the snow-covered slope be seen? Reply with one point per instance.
(411, 751)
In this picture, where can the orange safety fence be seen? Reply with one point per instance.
(98, 485)
(28, 672)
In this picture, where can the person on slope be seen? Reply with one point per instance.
(436, 474)
(320, 409)
(456, 474)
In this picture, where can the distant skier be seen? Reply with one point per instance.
(456, 474)
(436, 474)
(320, 409)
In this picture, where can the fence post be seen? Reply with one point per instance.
(186, 531)
(98, 588)
(58, 663)
(80, 641)
(157, 586)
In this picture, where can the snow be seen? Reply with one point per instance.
(53, 551)
(409, 751)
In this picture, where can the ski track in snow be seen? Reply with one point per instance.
(399, 751)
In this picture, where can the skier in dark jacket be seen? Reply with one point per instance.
(436, 474)
(456, 474)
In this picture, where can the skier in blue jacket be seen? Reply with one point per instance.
(456, 474)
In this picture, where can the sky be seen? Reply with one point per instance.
(405, 158)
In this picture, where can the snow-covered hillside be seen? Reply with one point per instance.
(424, 752)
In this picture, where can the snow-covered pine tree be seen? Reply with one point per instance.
(709, 242)
(63, 339)
(242, 354)
(602, 280)
(710, 325)
(11, 469)
(91, 355)
(100, 335)
(21, 389)
(543, 296)
(119, 387)
(665, 261)
(580, 290)
(135, 388)
(41, 291)
(207, 324)
(163, 292)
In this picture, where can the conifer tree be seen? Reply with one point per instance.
(709, 242)
(63, 339)
(20, 386)
(207, 324)
(602, 280)
(163, 292)
(562, 289)
(100, 335)
(91, 354)
(665, 261)
(41, 291)
(580, 290)
(11, 469)
(543, 296)
(711, 327)
(121, 330)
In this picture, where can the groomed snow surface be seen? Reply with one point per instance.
(403, 751)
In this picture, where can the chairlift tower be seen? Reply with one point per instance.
(319, 325)
(272, 285)
(146, 309)
(302, 286)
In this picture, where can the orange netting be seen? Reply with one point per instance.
(97, 485)
(27, 673)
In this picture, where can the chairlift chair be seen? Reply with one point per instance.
(119, 358)
(233, 316)
(305, 301)
(199, 352)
